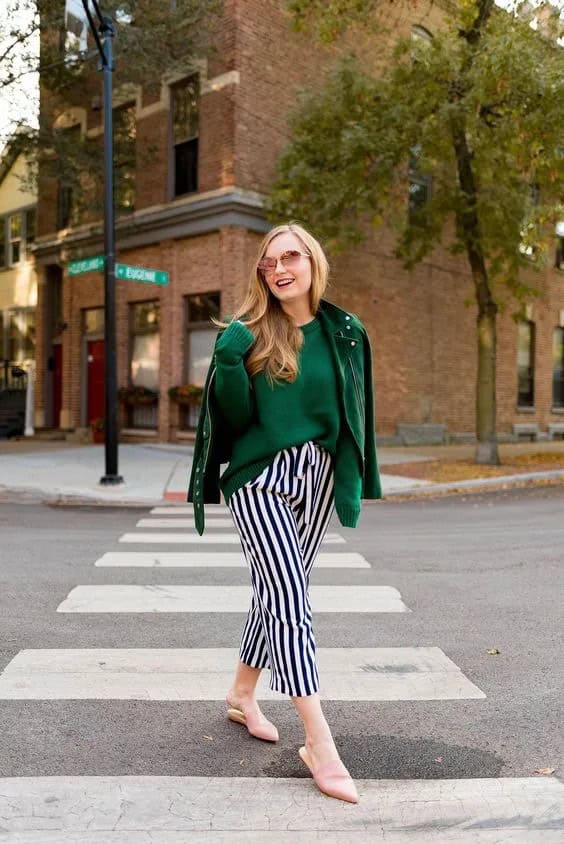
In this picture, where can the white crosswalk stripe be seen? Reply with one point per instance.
(212, 523)
(202, 599)
(206, 539)
(217, 559)
(188, 510)
(205, 673)
(176, 810)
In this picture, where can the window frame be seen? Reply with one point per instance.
(19, 240)
(193, 138)
(133, 333)
(558, 331)
(124, 168)
(195, 325)
(3, 242)
(532, 369)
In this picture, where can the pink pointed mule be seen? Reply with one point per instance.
(259, 729)
(332, 778)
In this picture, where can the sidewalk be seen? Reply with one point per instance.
(61, 472)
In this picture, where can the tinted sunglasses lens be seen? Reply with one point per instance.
(289, 260)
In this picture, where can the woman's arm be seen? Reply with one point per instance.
(232, 383)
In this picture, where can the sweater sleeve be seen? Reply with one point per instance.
(232, 384)
(348, 484)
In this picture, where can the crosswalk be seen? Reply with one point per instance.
(172, 809)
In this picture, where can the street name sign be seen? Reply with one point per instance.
(141, 274)
(86, 265)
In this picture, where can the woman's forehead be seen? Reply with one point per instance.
(281, 243)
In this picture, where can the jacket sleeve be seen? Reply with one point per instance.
(232, 384)
(371, 487)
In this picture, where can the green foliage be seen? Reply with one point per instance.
(332, 18)
(481, 119)
(152, 37)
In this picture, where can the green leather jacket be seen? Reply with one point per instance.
(353, 357)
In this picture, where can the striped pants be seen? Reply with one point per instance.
(282, 517)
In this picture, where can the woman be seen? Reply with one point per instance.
(288, 403)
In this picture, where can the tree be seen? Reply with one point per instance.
(476, 111)
(152, 37)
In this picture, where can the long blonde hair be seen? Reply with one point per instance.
(278, 340)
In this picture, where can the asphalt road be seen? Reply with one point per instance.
(477, 571)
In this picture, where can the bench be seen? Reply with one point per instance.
(526, 429)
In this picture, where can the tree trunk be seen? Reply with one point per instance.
(469, 229)
(486, 450)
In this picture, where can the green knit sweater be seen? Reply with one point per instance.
(268, 419)
(280, 416)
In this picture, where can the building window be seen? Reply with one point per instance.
(64, 205)
(200, 339)
(419, 185)
(2, 241)
(20, 335)
(30, 227)
(185, 130)
(125, 132)
(144, 359)
(526, 364)
(560, 253)
(558, 368)
(15, 239)
(560, 245)
(68, 175)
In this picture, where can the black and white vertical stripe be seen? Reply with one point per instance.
(282, 517)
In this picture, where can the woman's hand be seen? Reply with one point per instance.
(234, 342)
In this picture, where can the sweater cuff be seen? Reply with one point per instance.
(348, 516)
(234, 342)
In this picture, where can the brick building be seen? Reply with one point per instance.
(196, 212)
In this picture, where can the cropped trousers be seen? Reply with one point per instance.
(282, 517)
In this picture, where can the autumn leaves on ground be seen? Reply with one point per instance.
(446, 470)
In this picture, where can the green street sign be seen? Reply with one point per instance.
(126, 271)
(141, 274)
(86, 265)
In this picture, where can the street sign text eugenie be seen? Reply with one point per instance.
(141, 274)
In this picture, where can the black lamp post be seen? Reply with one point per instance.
(103, 36)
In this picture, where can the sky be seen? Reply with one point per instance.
(22, 103)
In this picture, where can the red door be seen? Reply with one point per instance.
(96, 397)
(57, 384)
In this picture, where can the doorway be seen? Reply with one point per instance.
(95, 357)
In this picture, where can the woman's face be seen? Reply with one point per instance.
(289, 283)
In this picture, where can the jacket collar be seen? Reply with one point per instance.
(333, 316)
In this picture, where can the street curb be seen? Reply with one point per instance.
(31, 495)
(452, 486)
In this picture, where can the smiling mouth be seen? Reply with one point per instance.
(284, 283)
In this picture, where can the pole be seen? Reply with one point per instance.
(111, 444)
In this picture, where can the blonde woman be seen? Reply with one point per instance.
(288, 404)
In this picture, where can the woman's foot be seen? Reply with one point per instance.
(246, 711)
(328, 771)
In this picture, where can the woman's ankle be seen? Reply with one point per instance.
(238, 695)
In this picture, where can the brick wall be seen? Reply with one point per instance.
(423, 335)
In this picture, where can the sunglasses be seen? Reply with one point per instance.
(289, 259)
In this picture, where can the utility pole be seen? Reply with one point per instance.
(103, 36)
